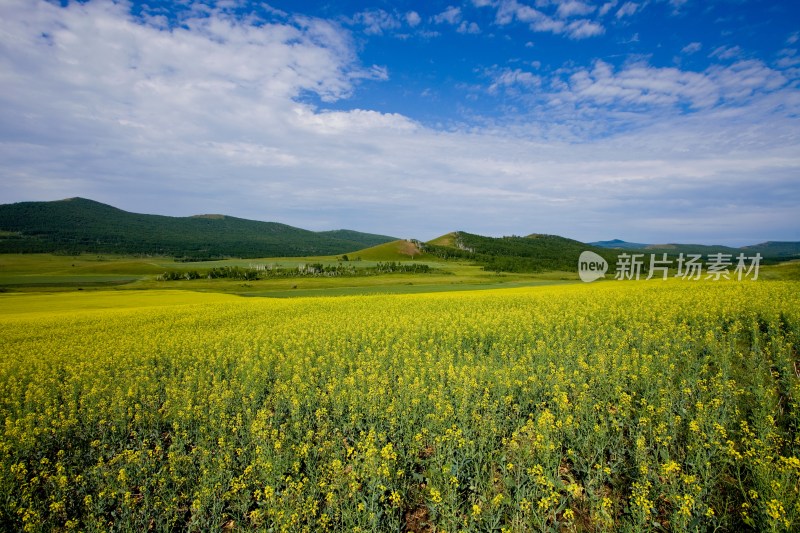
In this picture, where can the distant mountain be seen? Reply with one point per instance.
(769, 250)
(780, 249)
(79, 225)
(618, 244)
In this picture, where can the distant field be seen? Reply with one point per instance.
(50, 304)
(627, 406)
(394, 288)
(47, 272)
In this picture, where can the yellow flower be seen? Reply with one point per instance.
(669, 468)
(775, 509)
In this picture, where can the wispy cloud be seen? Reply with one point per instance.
(677, 5)
(509, 11)
(504, 78)
(692, 48)
(639, 86)
(788, 58)
(606, 7)
(582, 29)
(627, 9)
(726, 52)
(376, 21)
(451, 15)
(572, 8)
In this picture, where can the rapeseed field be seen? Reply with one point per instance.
(618, 406)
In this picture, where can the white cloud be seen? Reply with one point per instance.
(252, 155)
(606, 7)
(793, 38)
(633, 39)
(349, 122)
(638, 86)
(572, 8)
(627, 9)
(744, 79)
(451, 15)
(507, 78)
(376, 21)
(511, 10)
(692, 48)
(581, 29)
(470, 28)
(788, 59)
(413, 19)
(375, 72)
(726, 52)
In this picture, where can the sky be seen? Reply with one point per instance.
(650, 120)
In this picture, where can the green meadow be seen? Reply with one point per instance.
(48, 272)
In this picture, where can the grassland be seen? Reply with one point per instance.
(47, 272)
(55, 273)
(625, 406)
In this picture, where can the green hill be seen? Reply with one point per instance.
(79, 225)
(775, 249)
(540, 253)
(534, 253)
(448, 239)
(401, 250)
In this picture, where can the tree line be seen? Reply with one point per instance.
(307, 270)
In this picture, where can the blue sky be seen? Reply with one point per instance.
(650, 121)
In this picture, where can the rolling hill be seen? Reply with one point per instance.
(534, 253)
(400, 250)
(79, 225)
(540, 253)
(771, 250)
